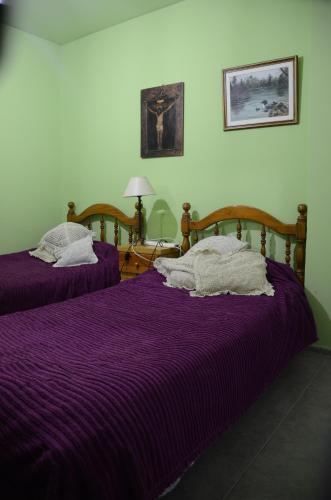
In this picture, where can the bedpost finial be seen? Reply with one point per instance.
(302, 209)
(300, 250)
(186, 206)
(185, 226)
(71, 207)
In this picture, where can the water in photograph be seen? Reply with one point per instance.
(249, 106)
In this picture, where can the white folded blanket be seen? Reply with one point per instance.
(208, 272)
(168, 266)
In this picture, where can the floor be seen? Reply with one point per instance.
(279, 450)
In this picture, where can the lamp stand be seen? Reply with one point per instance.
(139, 207)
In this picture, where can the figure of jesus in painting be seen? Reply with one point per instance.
(161, 107)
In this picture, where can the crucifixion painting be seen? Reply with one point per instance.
(162, 121)
(159, 110)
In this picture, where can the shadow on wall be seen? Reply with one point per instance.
(161, 223)
(322, 318)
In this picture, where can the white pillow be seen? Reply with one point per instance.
(58, 238)
(240, 273)
(221, 244)
(77, 253)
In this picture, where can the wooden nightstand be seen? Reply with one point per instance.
(131, 264)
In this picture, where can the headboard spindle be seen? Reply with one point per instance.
(239, 230)
(116, 232)
(288, 251)
(263, 240)
(102, 228)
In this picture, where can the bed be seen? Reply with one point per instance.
(112, 395)
(27, 282)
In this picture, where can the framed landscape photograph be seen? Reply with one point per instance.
(162, 121)
(261, 95)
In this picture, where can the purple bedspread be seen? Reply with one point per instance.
(27, 282)
(111, 396)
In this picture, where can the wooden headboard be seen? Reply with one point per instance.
(296, 231)
(102, 210)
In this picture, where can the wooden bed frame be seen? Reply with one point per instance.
(103, 210)
(295, 231)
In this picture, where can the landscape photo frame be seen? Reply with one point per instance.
(261, 95)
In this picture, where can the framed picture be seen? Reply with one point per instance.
(162, 121)
(261, 95)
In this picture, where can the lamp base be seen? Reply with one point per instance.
(139, 207)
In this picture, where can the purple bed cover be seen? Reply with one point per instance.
(27, 282)
(111, 396)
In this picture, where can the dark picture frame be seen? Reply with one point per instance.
(261, 95)
(162, 121)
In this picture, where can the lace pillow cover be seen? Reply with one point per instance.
(221, 244)
(239, 273)
(68, 244)
(61, 236)
(77, 253)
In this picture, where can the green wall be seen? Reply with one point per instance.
(190, 42)
(29, 135)
(319, 179)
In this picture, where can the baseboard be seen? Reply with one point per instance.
(323, 350)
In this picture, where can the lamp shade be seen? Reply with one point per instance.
(138, 186)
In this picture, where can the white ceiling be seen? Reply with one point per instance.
(62, 21)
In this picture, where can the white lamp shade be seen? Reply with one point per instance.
(138, 186)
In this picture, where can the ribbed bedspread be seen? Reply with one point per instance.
(27, 282)
(111, 396)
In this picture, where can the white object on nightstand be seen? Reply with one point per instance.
(161, 243)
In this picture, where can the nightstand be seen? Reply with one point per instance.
(132, 265)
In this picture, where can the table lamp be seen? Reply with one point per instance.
(139, 186)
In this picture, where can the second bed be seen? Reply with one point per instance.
(27, 282)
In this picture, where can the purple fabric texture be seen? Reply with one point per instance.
(27, 282)
(111, 396)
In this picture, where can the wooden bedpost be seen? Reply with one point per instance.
(185, 226)
(71, 211)
(300, 250)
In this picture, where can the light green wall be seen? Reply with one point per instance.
(29, 137)
(190, 42)
(319, 178)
